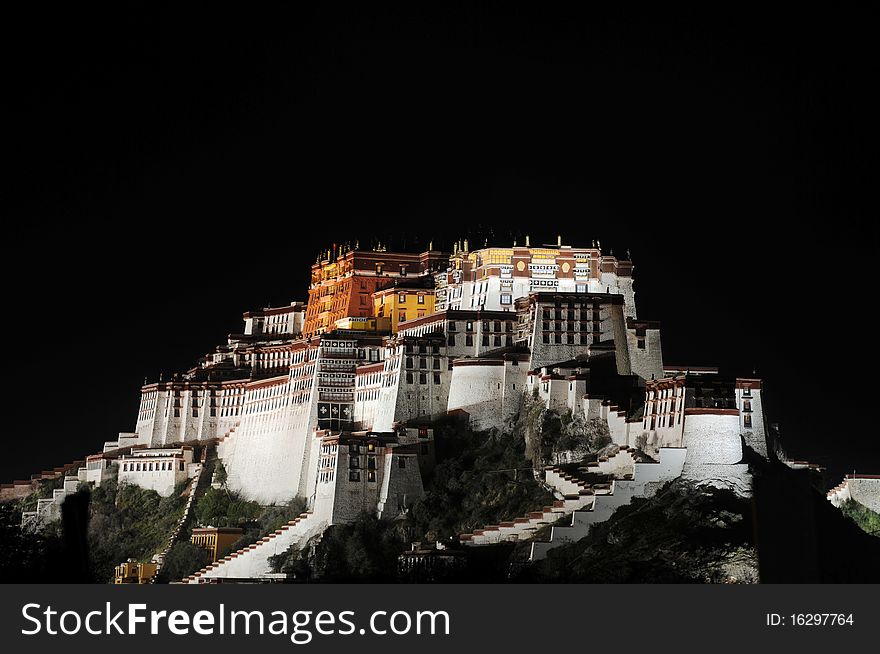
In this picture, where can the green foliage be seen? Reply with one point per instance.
(182, 560)
(483, 479)
(365, 550)
(683, 534)
(220, 508)
(864, 517)
(269, 519)
(129, 522)
(28, 557)
(223, 508)
(220, 474)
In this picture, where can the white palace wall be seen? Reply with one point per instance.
(489, 390)
(714, 451)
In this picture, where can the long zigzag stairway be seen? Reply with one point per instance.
(589, 496)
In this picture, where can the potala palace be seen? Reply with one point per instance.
(333, 399)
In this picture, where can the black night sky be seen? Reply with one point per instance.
(176, 167)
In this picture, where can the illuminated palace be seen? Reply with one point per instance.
(333, 400)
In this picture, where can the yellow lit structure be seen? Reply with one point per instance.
(132, 572)
(215, 539)
(402, 302)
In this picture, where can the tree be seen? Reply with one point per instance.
(181, 561)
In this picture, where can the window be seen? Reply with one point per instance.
(423, 378)
(371, 475)
(436, 365)
(401, 316)
(469, 339)
(436, 378)
(497, 341)
(354, 462)
(181, 466)
(409, 378)
(401, 297)
(546, 337)
(747, 405)
(469, 326)
(401, 462)
(409, 362)
(371, 463)
(452, 340)
(641, 343)
(421, 299)
(354, 448)
(747, 420)
(558, 338)
(354, 475)
(747, 392)
(506, 299)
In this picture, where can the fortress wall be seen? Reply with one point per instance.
(265, 457)
(414, 399)
(576, 390)
(756, 435)
(646, 362)
(618, 332)
(865, 490)
(712, 439)
(354, 496)
(161, 481)
(514, 387)
(477, 388)
(618, 426)
(386, 406)
(714, 452)
(401, 486)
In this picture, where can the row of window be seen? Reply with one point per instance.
(496, 340)
(401, 298)
(423, 348)
(423, 363)
(423, 378)
(488, 326)
(160, 466)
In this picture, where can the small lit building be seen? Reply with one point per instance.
(215, 539)
(157, 469)
(132, 572)
(405, 299)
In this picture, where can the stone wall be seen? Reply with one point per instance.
(714, 450)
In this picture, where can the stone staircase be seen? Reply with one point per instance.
(573, 494)
(198, 487)
(49, 509)
(646, 479)
(252, 562)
